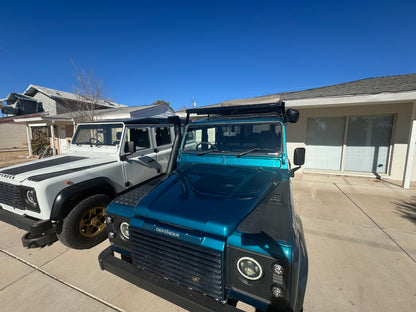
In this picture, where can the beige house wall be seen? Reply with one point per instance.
(296, 133)
(13, 136)
(414, 160)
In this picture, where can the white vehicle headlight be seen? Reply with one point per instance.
(31, 197)
(124, 230)
(249, 268)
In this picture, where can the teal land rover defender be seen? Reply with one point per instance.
(220, 226)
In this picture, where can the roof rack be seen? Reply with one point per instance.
(278, 108)
(291, 115)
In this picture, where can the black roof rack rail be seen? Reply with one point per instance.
(278, 107)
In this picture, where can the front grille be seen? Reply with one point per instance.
(195, 267)
(10, 195)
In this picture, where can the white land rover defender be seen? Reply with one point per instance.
(65, 197)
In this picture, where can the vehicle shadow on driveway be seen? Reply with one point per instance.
(407, 209)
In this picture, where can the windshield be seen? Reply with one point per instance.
(99, 134)
(241, 139)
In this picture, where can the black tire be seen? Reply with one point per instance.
(84, 227)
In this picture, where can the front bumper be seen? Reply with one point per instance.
(19, 221)
(177, 294)
(40, 233)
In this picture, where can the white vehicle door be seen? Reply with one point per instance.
(163, 137)
(142, 164)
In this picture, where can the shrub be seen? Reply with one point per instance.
(40, 140)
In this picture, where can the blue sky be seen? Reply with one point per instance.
(212, 50)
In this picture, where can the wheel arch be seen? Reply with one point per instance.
(69, 197)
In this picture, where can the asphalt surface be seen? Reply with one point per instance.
(360, 235)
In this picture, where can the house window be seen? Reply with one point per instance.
(368, 143)
(352, 143)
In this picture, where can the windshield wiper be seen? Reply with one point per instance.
(256, 149)
(211, 151)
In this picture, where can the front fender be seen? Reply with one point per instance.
(303, 267)
(72, 195)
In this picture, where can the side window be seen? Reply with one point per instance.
(140, 137)
(163, 136)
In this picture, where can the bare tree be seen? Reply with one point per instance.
(89, 92)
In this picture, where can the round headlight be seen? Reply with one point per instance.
(249, 268)
(124, 230)
(31, 197)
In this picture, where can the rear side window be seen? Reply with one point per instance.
(163, 136)
(140, 137)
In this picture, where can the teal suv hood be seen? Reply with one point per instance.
(208, 198)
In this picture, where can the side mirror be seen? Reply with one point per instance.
(298, 159)
(292, 115)
(299, 156)
(129, 147)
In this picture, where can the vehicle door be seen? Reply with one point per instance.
(142, 164)
(163, 136)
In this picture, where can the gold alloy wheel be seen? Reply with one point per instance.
(92, 222)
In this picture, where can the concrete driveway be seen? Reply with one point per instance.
(361, 239)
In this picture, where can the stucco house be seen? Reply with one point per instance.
(37, 99)
(363, 128)
(56, 114)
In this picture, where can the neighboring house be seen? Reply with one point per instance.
(60, 128)
(36, 99)
(363, 128)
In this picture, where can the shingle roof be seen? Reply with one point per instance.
(388, 84)
(57, 94)
(131, 111)
(99, 112)
(13, 96)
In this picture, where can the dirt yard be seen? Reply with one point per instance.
(12, 157)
